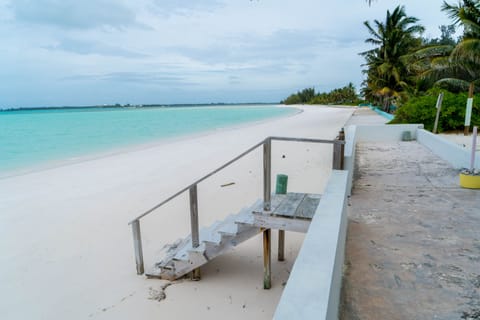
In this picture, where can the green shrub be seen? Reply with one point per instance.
(422, 109)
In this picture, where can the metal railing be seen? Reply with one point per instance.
(338, 147)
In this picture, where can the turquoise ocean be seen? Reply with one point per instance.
(36, 138)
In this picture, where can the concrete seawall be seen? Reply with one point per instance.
(313, 289)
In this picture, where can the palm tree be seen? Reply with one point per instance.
(461, 67)
(465, 57)
(387, 75)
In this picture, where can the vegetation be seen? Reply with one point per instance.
(421, 109)
(345, 96)
(410, 73)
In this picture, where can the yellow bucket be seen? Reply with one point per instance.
(469, 181)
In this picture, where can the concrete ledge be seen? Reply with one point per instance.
(457, 156)
(383, 133)
(373, 133)
(349, 155)
(313, 289)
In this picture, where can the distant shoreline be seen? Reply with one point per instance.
(130, 106)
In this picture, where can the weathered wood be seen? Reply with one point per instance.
(306, 210)
(339, 152)
(181, 258)
(281, 245)
(275, 201)
(196, 274)
(267, 174)
(194, 216)
(267, 259)
(281, 223)
(137, 244)
(289, 205)
(292, 205)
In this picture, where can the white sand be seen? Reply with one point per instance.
(66, 248)
(462, 140)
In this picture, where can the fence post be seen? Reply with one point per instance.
(267, 177)
(339, 151)
(267, 259)
(267, 173)
(195, 275)
(194, 215)
(137, 245)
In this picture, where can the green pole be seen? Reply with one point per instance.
(281, 188)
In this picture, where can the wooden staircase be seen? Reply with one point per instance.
(181, 258)
(292, 211)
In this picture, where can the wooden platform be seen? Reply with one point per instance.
(291, 212)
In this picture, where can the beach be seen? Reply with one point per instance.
(67, 249)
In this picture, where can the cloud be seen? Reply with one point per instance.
(176, 7)
(90, 47)
(73, 14)
(139, 78)
(199, 50)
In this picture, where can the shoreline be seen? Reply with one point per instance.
(95, 155)
(67, 245)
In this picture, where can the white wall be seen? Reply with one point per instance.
(313, 288)
(457, 156)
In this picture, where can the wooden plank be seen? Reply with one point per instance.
(281, 223)
(288, 207)
(306, 210)
(276, 200)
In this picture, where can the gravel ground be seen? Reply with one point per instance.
(413, 243)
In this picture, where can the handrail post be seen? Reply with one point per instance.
(194, 215)
(137, 245)
(267, 179)
(267, 173)
(339, 152)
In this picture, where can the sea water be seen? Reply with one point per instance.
(32, 138)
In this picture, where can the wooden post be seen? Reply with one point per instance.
(339, 152)
(281, 188)
(267, 177)
(281, 245)
(195, 274)
(267, 173)
(137, 245)
(267, 266)
(194, 216)
(468, 111)
(194, 225)
(439, 107)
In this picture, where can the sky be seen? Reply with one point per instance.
(94, 52)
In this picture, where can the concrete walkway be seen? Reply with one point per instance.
(413, 243)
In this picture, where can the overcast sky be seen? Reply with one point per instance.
(72, 52)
